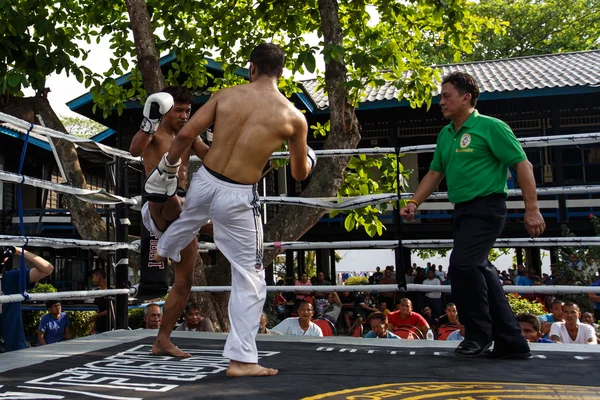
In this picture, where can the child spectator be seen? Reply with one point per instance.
(54, 326)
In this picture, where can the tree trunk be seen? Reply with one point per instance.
(289, 224)
(84, 216)
(145, 46)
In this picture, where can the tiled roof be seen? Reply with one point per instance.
(512, 74)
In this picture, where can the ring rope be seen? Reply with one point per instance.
(538, 141)
(60, 243)
(530, 142)
(101, 196)
(422, 243)
(411, 287)
(83, 143)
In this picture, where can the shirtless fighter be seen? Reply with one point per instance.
(251, 121)
(165, 113)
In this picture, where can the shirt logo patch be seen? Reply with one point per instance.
(465, 141)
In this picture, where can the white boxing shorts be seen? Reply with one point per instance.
(149, 222)
(234, 210)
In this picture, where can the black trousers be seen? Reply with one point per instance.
(477, 292)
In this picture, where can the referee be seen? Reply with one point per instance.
(474, 152)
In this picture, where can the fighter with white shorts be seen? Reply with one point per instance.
(234, 209)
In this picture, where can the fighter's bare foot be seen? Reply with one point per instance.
(169, 350)
(238, 369)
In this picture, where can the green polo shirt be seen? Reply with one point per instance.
(476, 158)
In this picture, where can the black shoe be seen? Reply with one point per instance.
(523, 354)
(471, 349)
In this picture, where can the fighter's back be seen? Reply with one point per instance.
(251, 122)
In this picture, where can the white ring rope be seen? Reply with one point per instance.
(79, 294)
(539, 141)
(59, 243)
(422, 243)
(83, 143)
(99, 196)
(411, 287)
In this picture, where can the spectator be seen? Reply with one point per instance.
(382, 307)
(556, 315)
(264, 320)
(595, 298)
(406, 316)
(365, 305)
(427, 314)
(588, 318)
(193, 321)
(301, 296)
(12, 320)
(152, 316)
(408, 276)
(433, 299)
(54, 326)
(348, 300)
(377, 275)
(441, 274)
(450, 317)
(321, 302)
(556, 277)
(521, 273)
(572, 331)
(332, 313)
(526, 279)
(420, 277)
(575, 263)
(531, 328)
(301, 325)
(458, 334)
(104, 319)
(391, 268)
(283, 303)
(387, 297)
(379, 330)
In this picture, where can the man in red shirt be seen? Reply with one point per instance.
(406, 316)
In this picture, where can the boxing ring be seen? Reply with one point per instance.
(119, 365)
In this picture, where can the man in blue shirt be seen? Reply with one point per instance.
(379, 330)
(12, 321)
(55, 325)
(530, 326)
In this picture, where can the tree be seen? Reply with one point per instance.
(37, 40)
(355, 50)
(533, 27)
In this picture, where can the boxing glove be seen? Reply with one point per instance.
(162, 181)
(311, 157)
(157, 105)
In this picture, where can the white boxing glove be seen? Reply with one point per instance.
(157, 105)
(311, 157)
(162, 181)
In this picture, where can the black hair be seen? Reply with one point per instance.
(99, 271)
(50, 303)
(268, 59)
(378, 315)
(464, 83)
(191, 306)
(530, 319)
(180, 94)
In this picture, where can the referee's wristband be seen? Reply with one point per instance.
(416, 203)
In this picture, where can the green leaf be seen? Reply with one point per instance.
(14, 79)
(349, 222)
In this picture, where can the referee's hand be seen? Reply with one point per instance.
(409, 211)
(534, 223)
